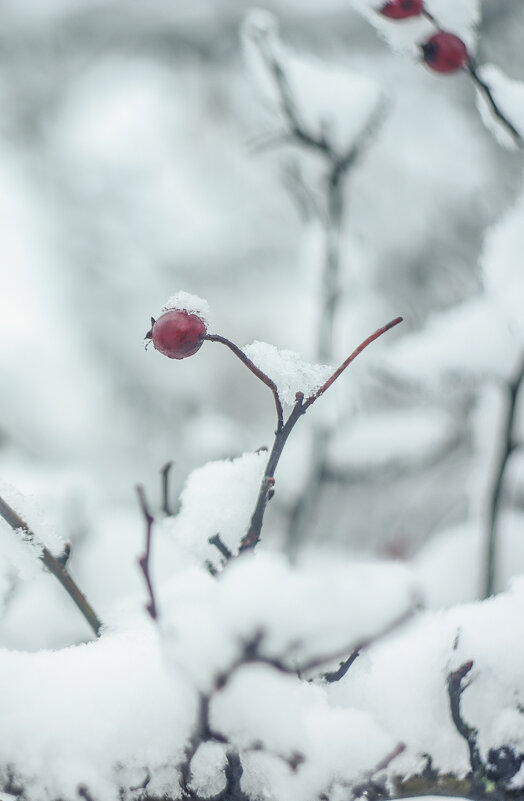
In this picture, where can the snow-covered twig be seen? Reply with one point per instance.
(484, 88)
(56, 566)
(252, 536)
(488, 94)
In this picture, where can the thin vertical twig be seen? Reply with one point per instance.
(166, 503)
(252, 536)
(507, 446)
(145, 560)
(55, 566)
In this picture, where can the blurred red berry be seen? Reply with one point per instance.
(401, 9)
(445, 52)
(177, 333)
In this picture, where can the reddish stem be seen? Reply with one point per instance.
(255, 370)
(363, 345)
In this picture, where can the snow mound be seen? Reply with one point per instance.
(288, 371)
(191, 304)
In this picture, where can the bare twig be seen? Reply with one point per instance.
(144, 560)
(217, 541)
(494, 501)
(363, 345)
(335, 675)
(166, 504)
(369, 786)
(488, 94)
(55, 566)
(255, 370)
(470, 734)
(252, 536)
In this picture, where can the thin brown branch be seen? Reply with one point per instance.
(363, 345)
(55, 566)
(144, 560)
(255, 370)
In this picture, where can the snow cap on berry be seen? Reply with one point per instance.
(192, 304)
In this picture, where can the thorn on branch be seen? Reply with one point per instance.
(144, 560)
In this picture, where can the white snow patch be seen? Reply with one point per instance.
(192, 304)
(218, 498)
(288, 371)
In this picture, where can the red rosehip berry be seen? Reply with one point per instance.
(445, 52)
(177, 333)
(401, 9)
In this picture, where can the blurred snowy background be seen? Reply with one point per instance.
(130, 169)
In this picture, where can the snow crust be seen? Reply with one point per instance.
(288, 371)
(192, 304)
(403, 681)
(102, 713)
(217, 498)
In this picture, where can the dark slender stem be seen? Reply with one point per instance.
(217, 541)
(252, 537)
(56, 567)
(363, 345)
(255, 370)
(166, 504)
(333, 676)
(488, 94)
(470, 734)
(506, 449)
(144, 560)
